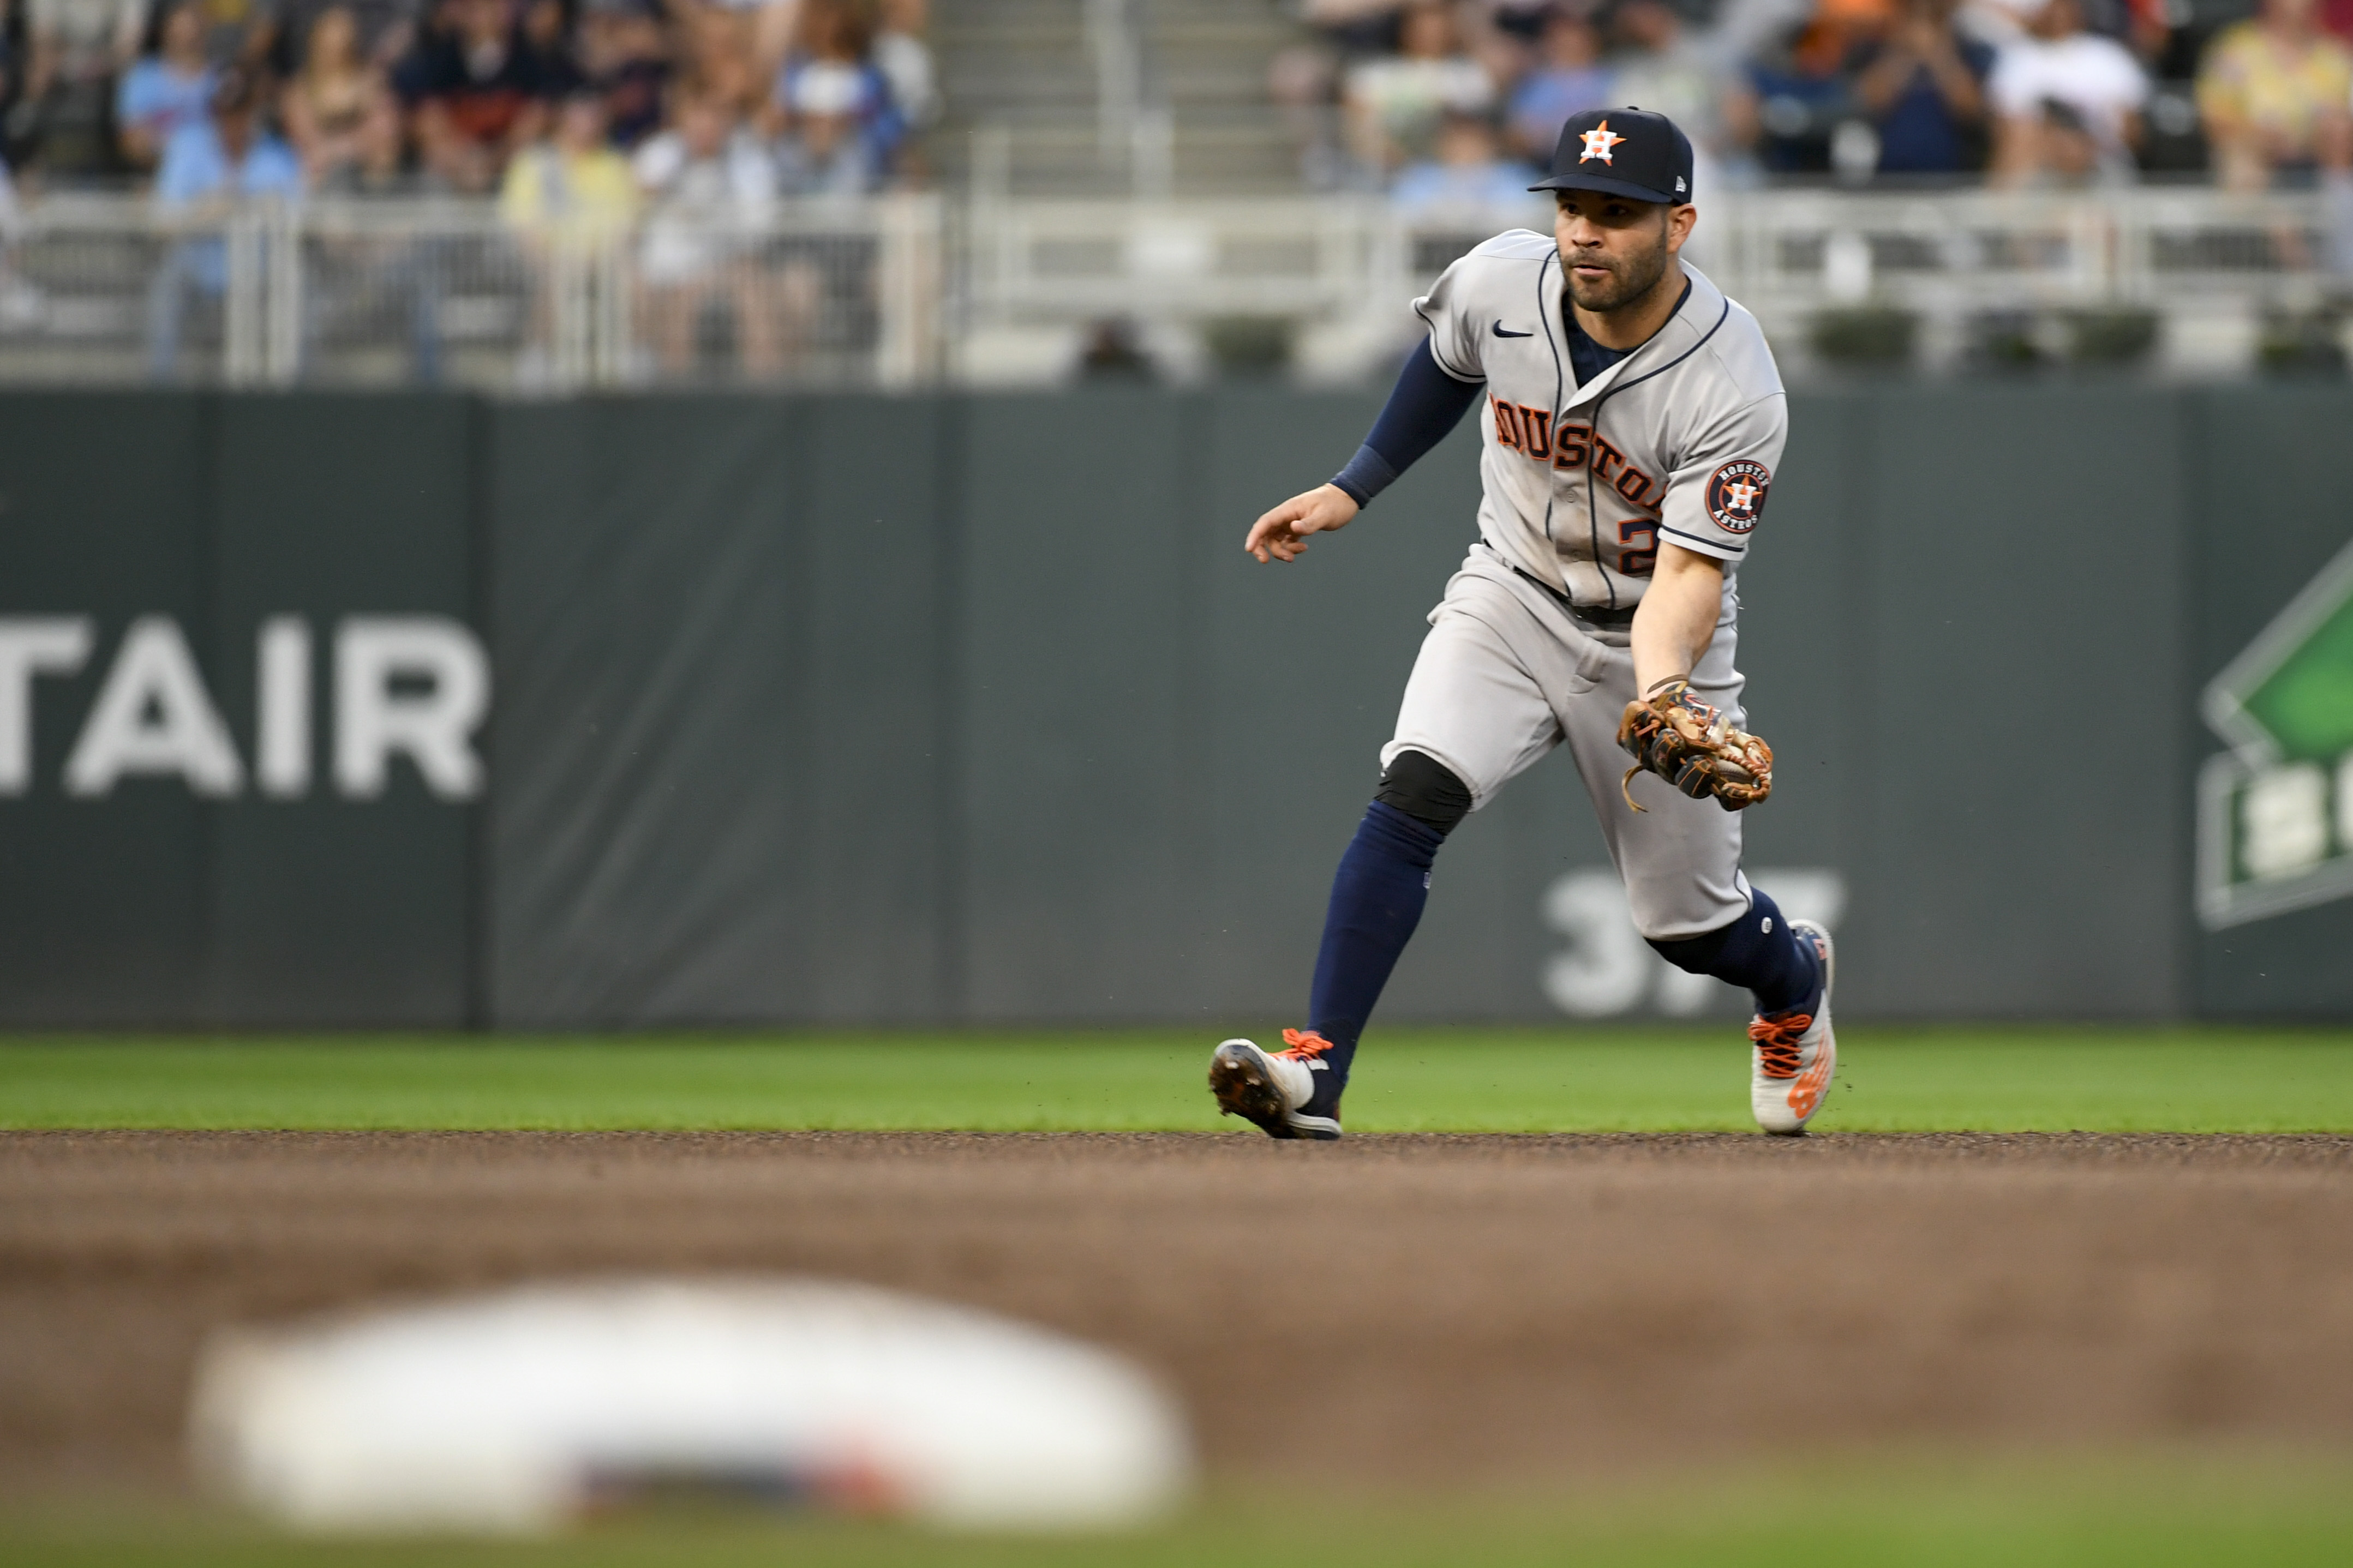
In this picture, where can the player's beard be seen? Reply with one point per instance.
(1632, 277)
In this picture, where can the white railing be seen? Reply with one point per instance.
(2208, 265)
(392, 292)
(910, 291)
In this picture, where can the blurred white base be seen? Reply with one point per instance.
(517, 1412)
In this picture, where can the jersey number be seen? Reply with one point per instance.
(1636, 561)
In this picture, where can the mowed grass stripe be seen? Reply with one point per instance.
(1421, 1079)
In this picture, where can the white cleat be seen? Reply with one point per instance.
(1794, 1057)
(1273, 1089)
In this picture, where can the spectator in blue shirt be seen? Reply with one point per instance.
(166, 89)
(1799, 93)
(1470, 174)
(210, 168)
(1923, 88)
(837, 129)
(1570, 79)
(227, 154)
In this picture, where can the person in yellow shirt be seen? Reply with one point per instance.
(2273, 92)
(571, 189)
(571, 200)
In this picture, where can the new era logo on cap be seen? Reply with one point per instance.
(1625, 151)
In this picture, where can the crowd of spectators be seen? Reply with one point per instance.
(578, 105)
(1455, 100)
(1443, 100)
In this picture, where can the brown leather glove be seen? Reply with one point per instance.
(1694, 748)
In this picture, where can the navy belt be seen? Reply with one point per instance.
(1598, 618)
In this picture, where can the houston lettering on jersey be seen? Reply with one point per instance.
(1528, 431)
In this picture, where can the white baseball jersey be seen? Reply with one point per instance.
(1676, 441)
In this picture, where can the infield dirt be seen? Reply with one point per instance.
(1420, 1310)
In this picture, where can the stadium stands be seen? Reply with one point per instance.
(536, 196)
(1068, 98)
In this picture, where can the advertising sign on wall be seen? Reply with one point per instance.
(2275, 812)
(412, 686)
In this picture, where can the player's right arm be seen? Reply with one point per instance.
(1427, 403)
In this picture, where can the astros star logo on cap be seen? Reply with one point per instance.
(1597, 143)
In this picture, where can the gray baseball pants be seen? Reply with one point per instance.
(1506, 674)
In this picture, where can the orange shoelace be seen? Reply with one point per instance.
(1302, 1044)
(1776, 1043)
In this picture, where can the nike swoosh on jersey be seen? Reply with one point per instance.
(1500, 333)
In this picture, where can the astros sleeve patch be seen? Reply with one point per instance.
(1736, 494)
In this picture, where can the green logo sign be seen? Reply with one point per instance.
(2275, 813)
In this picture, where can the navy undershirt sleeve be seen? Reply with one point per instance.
(1424, 405)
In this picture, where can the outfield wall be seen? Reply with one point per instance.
(860, 710)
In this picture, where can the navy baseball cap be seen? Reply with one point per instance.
(1624, 152)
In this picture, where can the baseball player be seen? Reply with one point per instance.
(1630, 419)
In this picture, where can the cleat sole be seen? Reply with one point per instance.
(1242, 1088)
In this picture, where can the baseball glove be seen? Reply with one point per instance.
(1694, 748)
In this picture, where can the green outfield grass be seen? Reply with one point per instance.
(1457, 1079)
(2073, 1514)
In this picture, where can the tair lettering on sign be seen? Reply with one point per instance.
(404, 686)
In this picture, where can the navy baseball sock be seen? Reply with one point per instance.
(1376, 898)
(1759, 951)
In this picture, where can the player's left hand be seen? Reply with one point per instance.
(1693, 746)
(1282, 534)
